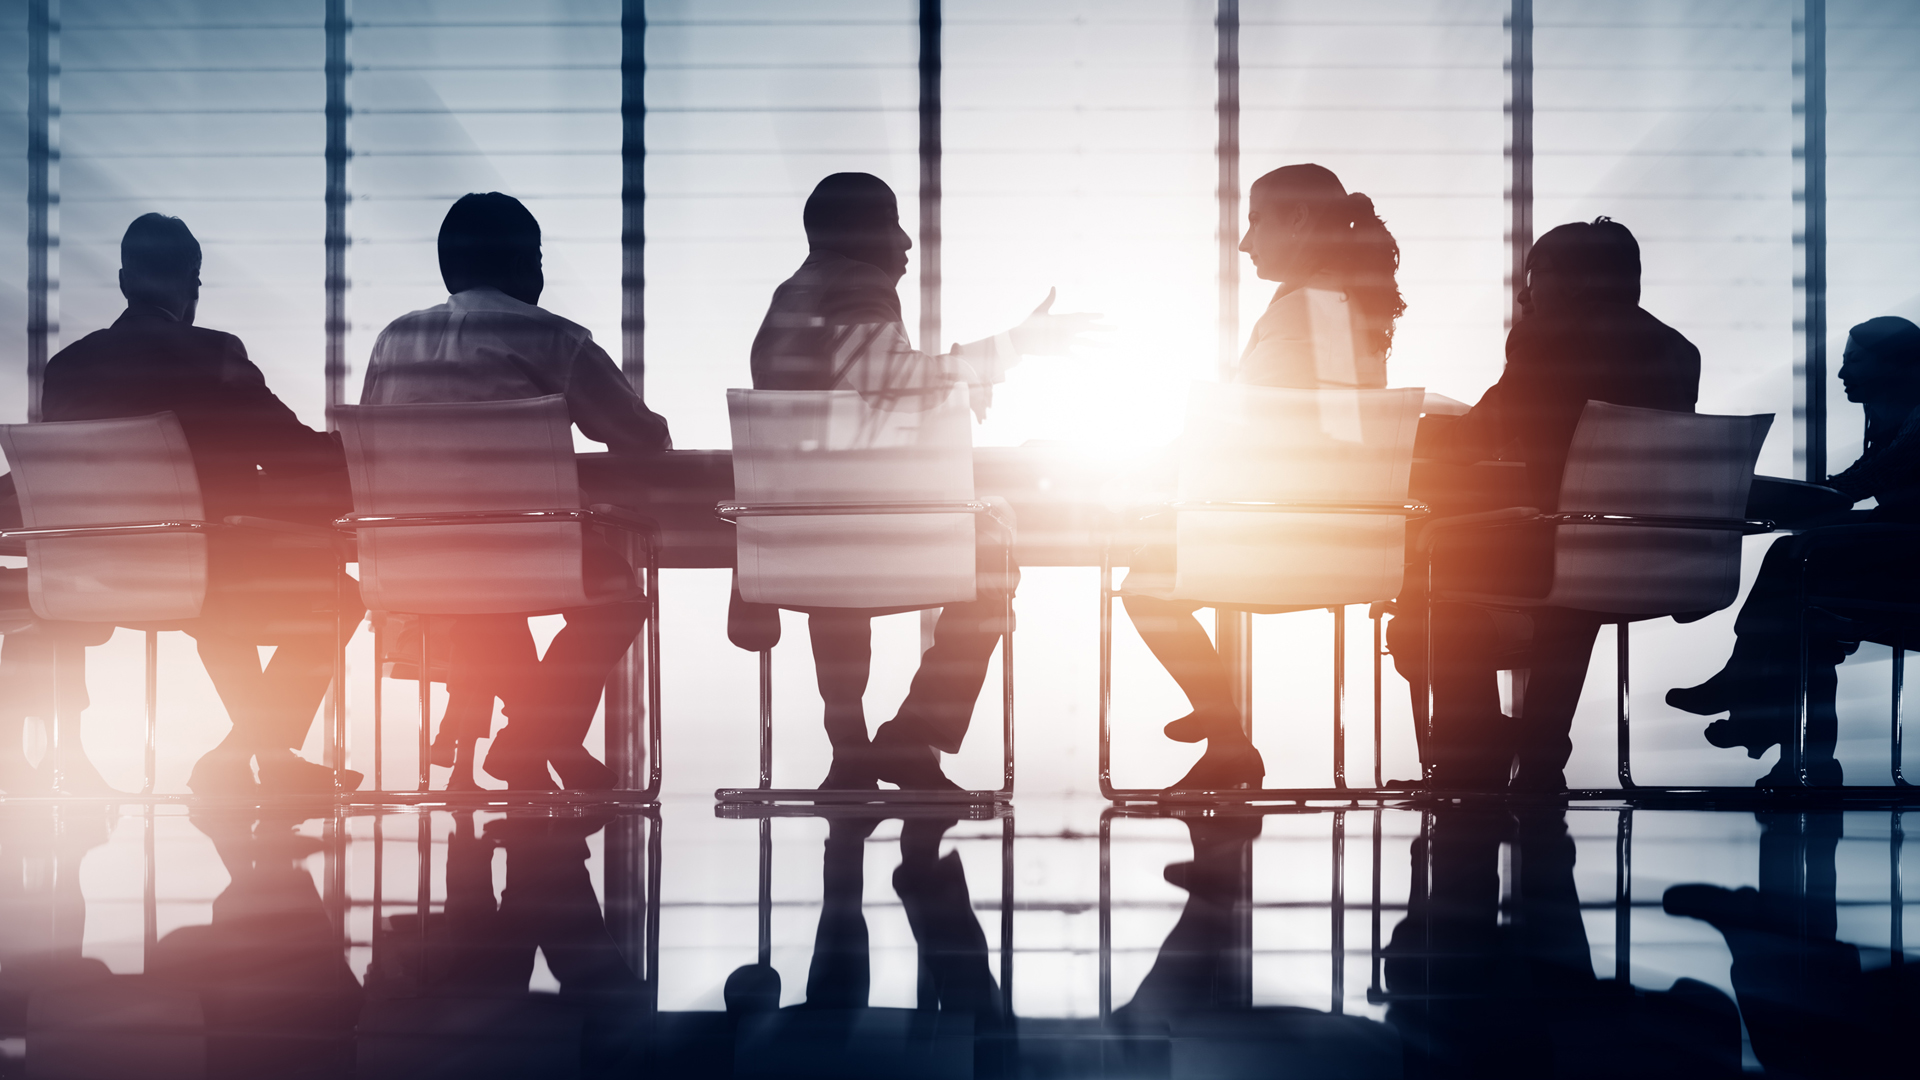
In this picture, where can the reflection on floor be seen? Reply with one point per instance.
(1072, 941)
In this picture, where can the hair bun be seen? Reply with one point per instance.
(1359, 208)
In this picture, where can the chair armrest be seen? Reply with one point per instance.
(1486, 519)
(731, 511)
(316, 533)
(620, 517)
(117, 528)
(1661, 521)
(1408, 508)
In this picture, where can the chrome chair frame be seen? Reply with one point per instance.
(1809, 602)
(1524, 515)
(766, 792)
(620, 744)
(1108, 594)
(336, 700)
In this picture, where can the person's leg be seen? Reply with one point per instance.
(842, 659)
(840, 973)
(939, 704)
(234, 666)
(488, 653)
(1562, 648)
(1182, 646)
(26, 681)
(564, 690)
(953, 949)
(1471, 744)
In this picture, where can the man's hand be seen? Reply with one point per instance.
(1047, 334)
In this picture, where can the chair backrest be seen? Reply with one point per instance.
(830, 446)
(1267, 444)
(100, 472)
(461, 457)
(1653, 462)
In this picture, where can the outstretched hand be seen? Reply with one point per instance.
(1046, 334)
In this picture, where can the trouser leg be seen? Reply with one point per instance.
(1174, 634)
(842, 659)
(1472, 739)
(840, 974)
(939, 705)
(1562, 648)
(234, 667)
(491, 655)
(566, 685)
(953, 949)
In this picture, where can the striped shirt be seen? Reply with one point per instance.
(483, 345)
(836, 325)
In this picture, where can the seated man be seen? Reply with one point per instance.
(490, 342)
(253, 457)
(835, 325)
(1582, 336)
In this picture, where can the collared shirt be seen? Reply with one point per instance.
(483, 345)
(835, 325)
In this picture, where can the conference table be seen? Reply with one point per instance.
(1064, 497)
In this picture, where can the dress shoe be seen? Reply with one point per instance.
(1229, 767)
(1820, 774)
(581, 771)
(852, 770)
(1714, 905)
(221, 773)
(1202, 724)
(519, 762)
(1755, 733)
(291, 774)
(1710, 697)
(901, 759)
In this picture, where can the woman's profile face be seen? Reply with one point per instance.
(1276, 240)
(1867, 377)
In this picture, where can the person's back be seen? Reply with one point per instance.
(254, 457)
(490, 341)
(1583, 338)
(248, 447)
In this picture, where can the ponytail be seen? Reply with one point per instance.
(1366, 256)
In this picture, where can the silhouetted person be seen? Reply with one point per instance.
(43, 673)
(1486, 987)
(1581, 336)
(835, 325)
(1810, 1009)
(252, 457)
(955, 976)
(270, 969)
(490, 342)
(1330, 253)
(1760, 681)
(1205, 964)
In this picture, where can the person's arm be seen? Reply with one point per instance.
(1892, 467)
(281, 442)
(607, 409)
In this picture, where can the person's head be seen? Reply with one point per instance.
(1301, 221)
(491, 240)
(856, 215)
(1580, 264)
(1882, 363)
(160, 265)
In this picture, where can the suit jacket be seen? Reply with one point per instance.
(1615, 353)
(252, 454)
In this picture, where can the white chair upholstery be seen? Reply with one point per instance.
(830, 447)
(468, 458)
(83, 473)
(1252, 444)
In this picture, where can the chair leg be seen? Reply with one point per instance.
(1379, 775)
(1105, 705)
(1339, 697)
(653, 676)
(426, 708)
(379, 719)
(766, 719)
(1006, 695)
(1896, 893)
(1623, 900)
(153, 710)
(765, 905)
(1623, 706)
(1899, 681)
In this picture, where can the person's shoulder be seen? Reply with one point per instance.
(498, 306)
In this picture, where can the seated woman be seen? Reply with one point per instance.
(1759, 683)
(1307, 232)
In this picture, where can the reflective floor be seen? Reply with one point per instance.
(1063, 939)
